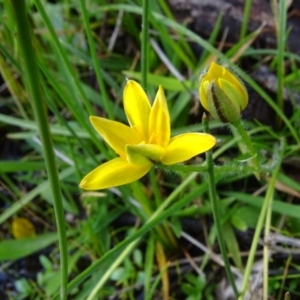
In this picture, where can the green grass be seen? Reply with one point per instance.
(59, 66)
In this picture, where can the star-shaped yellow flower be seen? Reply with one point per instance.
(146, 141)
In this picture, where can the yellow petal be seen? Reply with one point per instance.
(204, 84)
(144, 153)
(113, 173)
(116, 134)
(137, 107)
(215, 71)
(159, 122)
(185, 146)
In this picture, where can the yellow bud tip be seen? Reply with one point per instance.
(222, 93)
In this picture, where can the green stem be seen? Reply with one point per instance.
(31, 73)
(246, 139)
(228, 169)
(145, 40)
(266, 204)
(215, 210)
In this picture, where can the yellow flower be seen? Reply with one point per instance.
(146, 141)
(22, 228)
(222, 94)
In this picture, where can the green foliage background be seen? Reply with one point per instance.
(61, 62)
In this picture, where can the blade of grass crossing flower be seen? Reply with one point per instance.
(32, 80)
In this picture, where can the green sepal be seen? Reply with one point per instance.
(143, 154)
(220, 106)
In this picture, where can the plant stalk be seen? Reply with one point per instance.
(215, 210)
(32, 80)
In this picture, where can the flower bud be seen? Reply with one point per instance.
(222, 94)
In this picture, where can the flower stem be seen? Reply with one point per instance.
(253, 154)
(215, 210)
(32, 79)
